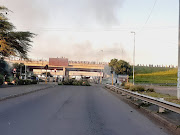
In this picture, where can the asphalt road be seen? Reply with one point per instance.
(73, 110)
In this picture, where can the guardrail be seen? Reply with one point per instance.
(159, 102)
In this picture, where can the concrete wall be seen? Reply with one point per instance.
(71, 73)
(79, 73)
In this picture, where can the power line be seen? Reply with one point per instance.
(149, 15)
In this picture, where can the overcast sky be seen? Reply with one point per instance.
(80, 29)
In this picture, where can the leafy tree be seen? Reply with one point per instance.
(113, 64)
(13, 43)
(120, 67)
(20, 68)
(4, 71)
(48, 74)
(4, 67)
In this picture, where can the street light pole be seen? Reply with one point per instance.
(101, 69)
(178, 80)
(133, 55)
(25, 73)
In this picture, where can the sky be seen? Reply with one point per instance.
(100, 30)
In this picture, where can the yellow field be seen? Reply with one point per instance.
(161, 73)
(161, 77)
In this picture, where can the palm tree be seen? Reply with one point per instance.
(13, 43)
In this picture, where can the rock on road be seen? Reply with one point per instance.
(73, 110)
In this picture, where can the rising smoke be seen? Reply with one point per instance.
(105, 10)
(39, 12)
(40, 15)
(84, 51)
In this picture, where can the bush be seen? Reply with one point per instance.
(41, 80)
(60, 83)
(67, 82)
(133, 88)
(1, 79)
(85, 83)
(75, 82)
(123, 84)
(33, 82)
(9, 83)
(8, 79)
(16, 80)
(24, 82)
(137, 88)
(21, 82)
(127, 85)
(150, 90)
(27, 82)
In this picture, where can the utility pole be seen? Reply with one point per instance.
(112, 75)
(25, 73)
(20, 72)
(101, 69)
(178, 80)
(46, 67)
(133, 55)
(112, 79)
(46, 77)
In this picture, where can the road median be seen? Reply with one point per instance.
(17, 91)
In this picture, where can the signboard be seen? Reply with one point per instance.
(58, 61)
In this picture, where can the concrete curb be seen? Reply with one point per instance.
(24, 93)
(167, 124)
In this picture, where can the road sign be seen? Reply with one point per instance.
(14, 70)
(55, 70)
(46, 67)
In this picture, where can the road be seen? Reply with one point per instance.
(170, 90)
(73, 110)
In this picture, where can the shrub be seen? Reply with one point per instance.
(75, 82)
(41, 80)
(67, 82)
(140, 88)
(9, 83)
(137, 88)
(8, 79)
(33, 82)
(16, 80)
(60, 83)
(21, 82)
(24, 82)
(127, 85)
(123, 84)
(1, 79)
(133, 88)
(85, 83)
(27, 82)
(150, 90)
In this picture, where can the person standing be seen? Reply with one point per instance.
(37, 79)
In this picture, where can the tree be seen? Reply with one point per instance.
(13, 43)
(20, 68)
(120, 67)
(4, 67)
(113, 64)
(48, 74)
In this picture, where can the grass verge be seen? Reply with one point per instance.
(166, 97)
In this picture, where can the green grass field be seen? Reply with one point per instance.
(145, 70)
(155, 75)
